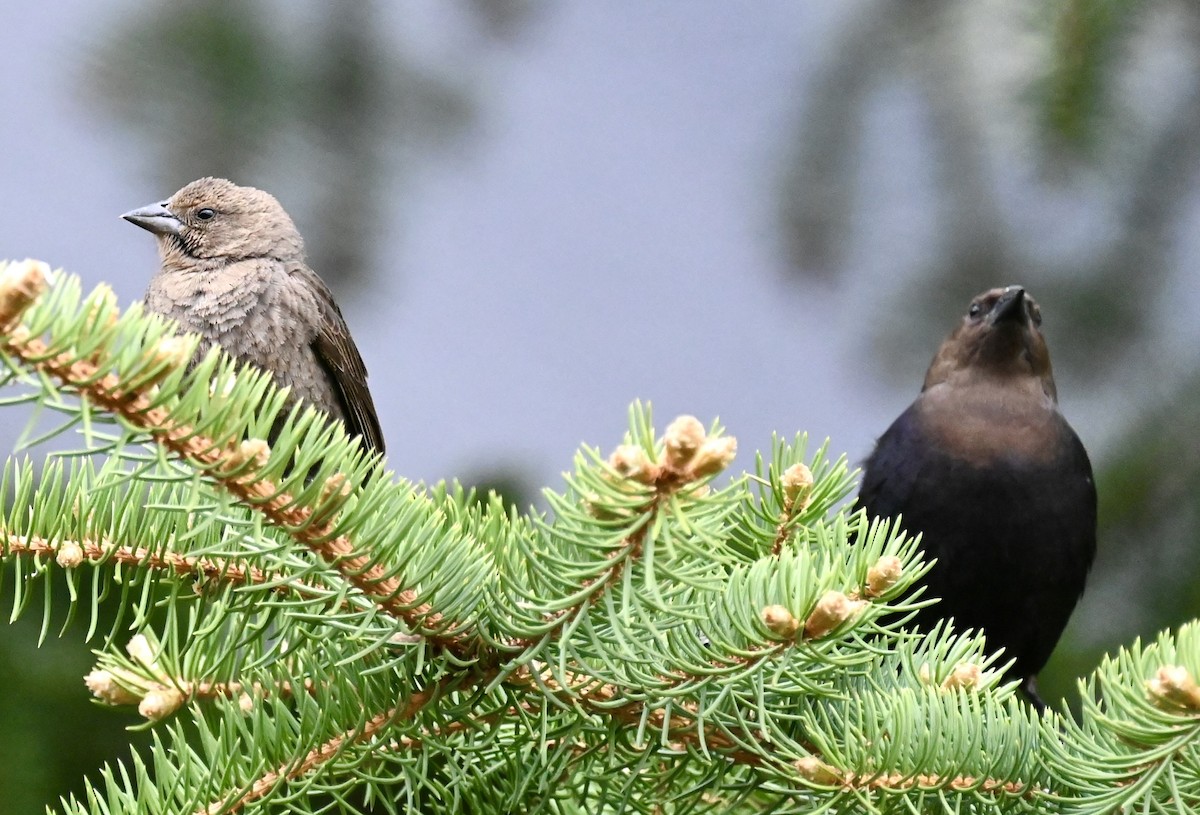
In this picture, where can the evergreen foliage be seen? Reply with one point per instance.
(306, 632)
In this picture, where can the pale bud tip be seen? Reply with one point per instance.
(966, 675)
(814, 770)
(714, 455)
(797, 483)
(173, 350)
(681, 440)
(104, 686)
(69, 555)
(337, 484)
(29, 273)
(1174, 685)
(780, 621)
(833, 609)
(255, 452)
(139, 650)
(630, 461)
(884, 574)
(21, 282)
(160, 703)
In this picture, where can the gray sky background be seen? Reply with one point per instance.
(607, 232)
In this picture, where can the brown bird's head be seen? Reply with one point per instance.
(1000, 338)
(215, 218)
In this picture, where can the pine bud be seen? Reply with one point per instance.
(833, 609)
(334, 493)
(336, 485)
(246, 703)
(630, 461)
(255, 451)
(714, 455)
(814, 770)
(168, 355)
(19, 335)
(139, 650)
(69, 555)
(681, 440)
(883, 575)
(797, 482)
(780, 621)
(160, 703)
(104, 686)
(1174, 686)
(21, 282)
(966, 675)
(251, 453)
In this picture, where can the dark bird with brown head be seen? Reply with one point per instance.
(984, 466)
(233, 271)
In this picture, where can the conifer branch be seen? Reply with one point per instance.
(325, 752)
(231, 465)
(70, 554)
(653, 643)
(689, 457)
(797, 483)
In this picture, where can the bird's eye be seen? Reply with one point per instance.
(205, 214)
(975, 310)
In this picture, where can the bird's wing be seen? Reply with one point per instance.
(336, 352)
(891, 471)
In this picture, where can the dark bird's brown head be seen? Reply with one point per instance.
(1000, 338)
(215, 218)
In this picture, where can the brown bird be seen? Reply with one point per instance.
(233, 271)
(986, 468)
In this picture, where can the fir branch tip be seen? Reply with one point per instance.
(883, 574)
(797, 482)
(713, 456)
(832, 610)
(21, 282)
(681, 441)
(1174, 686)
(780, 621)
(160, 703)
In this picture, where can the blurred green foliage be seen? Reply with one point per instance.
(53, 733)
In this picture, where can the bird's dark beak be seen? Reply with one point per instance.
(155, 218)
(1010, 307)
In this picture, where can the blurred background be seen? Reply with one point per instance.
(533, 213)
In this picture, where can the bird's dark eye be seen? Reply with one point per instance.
(205, 214)
(975, 310)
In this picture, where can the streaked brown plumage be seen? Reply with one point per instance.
(233, 271)
(986, 468)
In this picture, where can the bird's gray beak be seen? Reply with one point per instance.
(1010, 306)
(155, 218)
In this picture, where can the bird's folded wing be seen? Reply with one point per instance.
(336, 351)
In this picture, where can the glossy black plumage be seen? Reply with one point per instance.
(984, 465)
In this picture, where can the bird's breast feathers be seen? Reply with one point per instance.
(982, 426)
